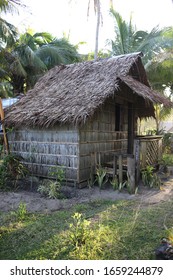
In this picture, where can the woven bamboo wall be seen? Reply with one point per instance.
(99, 135)
(44, 149)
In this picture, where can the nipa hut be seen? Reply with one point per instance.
(78, 111)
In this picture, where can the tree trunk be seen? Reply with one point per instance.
(97, 29)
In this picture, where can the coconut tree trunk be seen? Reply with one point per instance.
(97, 29)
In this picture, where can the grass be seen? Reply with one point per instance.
(102, 230)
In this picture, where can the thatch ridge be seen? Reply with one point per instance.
(72, 93)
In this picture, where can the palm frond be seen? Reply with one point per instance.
(8, 32)
(29, 58)
(11, 6)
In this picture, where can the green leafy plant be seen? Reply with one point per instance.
(86, 241)
(167, 142)
(58, 173)
(115, 183)
(149, 178)
(53, 189)
(11, 170)
(101, 176)
(167, 160)
(169, 232)
(21, 212)
(79, 230)
(122, 185)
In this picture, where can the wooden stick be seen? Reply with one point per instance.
(3, 127)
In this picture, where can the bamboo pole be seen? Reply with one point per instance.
(3, 127)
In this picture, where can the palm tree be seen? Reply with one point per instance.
(31, 57)
(8, 32)
(157, 49)
(129, 39)
(97, 10)
(10, 5)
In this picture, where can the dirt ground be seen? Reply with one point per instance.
(36, 203)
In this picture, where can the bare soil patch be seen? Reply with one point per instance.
(36, 203)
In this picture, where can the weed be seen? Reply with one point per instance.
(169, 232)
(149, 178)
(21, 212)
(122, 185)
(53, 189)
(101, 176)
(58, 173)
(79, 230)
(167, 160)
(115, 183)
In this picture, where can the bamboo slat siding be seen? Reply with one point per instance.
(44, 149)
(100, 135)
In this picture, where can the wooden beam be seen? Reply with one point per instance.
(131, 173)
(3, 127)
(120, 161)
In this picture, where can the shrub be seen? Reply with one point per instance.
(11, 170)
(149, 178)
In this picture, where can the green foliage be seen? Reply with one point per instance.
(149, 178)
(120, 186)
(58, 173)
(169, 233)
(128, 39)
(53, 189)
(167, 142)
(86, 241)
(11, 170)
(79, 230)
(101, 176)
(115, 183)
(118, 230)
(21, 212)
(30, 56)
(167, 159)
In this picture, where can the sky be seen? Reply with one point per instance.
(58, 17)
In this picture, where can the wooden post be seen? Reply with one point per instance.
(120, 161)
(143, 152)
(99, 159)
(114, 166)
(160, 145)
(131, 173)
(137, 158)
(3, 127)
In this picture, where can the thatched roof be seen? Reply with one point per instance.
(72, 93)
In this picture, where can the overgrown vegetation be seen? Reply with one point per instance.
(98, 230)
(11, 171)
(150, 178)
